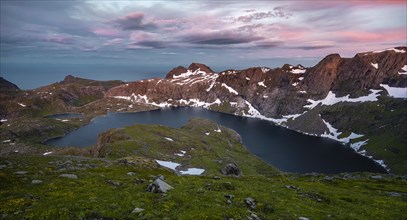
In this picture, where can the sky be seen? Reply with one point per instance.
(80, 35)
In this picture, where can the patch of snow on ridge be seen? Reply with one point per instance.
(46, 153)
(298, 71)
(3, 120)
(21, 104)
(295, 84)
(404, 70)
(331, 99)
(231, 90)
(265, 69)
(375, 65)
(396, 92)
(247, 78)
(218, 130)
(262, 84)
(393, 49)
(189, 73)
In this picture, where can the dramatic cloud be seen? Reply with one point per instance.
(134, 21)
(263, 15)
(213, 31)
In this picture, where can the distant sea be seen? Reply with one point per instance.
(34, 75)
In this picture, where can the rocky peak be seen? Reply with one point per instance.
(193, 67)
(176, 71)
(200, 66)
(69, 79)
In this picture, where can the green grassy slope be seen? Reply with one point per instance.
(105, 190)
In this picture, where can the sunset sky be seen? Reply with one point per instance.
(218, 33)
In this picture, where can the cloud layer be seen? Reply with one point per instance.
(240, 31)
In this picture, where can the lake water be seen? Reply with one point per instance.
(284, 149)
(66, 115)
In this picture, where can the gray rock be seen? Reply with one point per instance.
(137, 210)
(292, 187)
(113, 183)
(131, 173)
(216, 177)
(69, 176)
(159, 186)
(250, 202)
(36, 182)
(2, 166)
(231, 169)
(253, 216)
(67, 165)
(21, 172)
(161, 177)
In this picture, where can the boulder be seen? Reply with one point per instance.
(69, 176)
(250, 202)
(231, 169)
(159, 186)
(137, 210)
(35, 182)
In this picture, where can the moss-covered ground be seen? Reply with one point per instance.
(105, 189)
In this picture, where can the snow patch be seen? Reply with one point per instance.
(300, 78)
(192, 171)
(189, 73)
(404, 70)
(207, 133)
(217, 130)
(168, 164)
(298, 71)
(247, 78)
(295, 84)
(173, 166)
(231, 90)
(265, 96)
(6, 141)
(64, 120)
(334, 134)
(393, 49)
(303, 91)
(262, 84)
(375, 65)
(46, 153)
(396, 92)
(3, 120)
(265, 69)
(22, 104)
(168, 139)
(356, 146)
(331, 99)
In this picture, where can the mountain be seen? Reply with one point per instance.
(303, 99)
(7, 86)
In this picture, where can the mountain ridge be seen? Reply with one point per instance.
(283, 94)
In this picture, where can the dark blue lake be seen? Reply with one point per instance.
(284, 149)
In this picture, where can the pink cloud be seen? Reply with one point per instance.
(380, 36)
(106, 32)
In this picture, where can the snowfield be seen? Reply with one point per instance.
(331, 99)
(396, 92)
